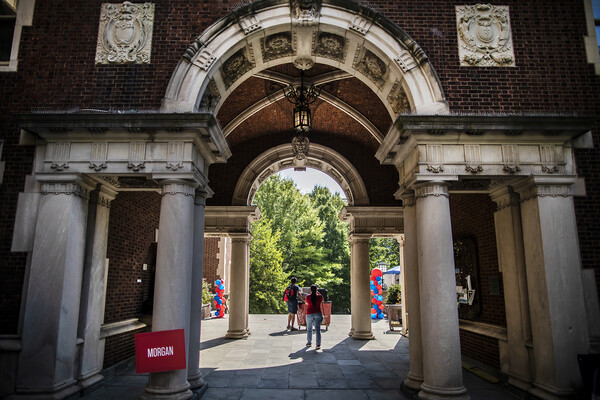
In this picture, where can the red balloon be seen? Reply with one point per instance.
(376, 272)
(378, 287)
(373, 311)
(381, 306)
(372, 293)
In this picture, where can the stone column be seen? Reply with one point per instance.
(553, 265)
(361, 300)
(91, 315)
(238, 286)
(411, 270)
(247, 298)
(173, 282)
(47, 360)
(442, 366)
(404, 312)
(511, 261)
(352, 289)
(194, 376)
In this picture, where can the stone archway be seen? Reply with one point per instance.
(282, 157)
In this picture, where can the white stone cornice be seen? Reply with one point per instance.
(225, 220)
(377, 221)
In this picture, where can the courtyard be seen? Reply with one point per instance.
(274, 364)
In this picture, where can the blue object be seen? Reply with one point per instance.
(218, 282)
(221, 286)
(373, 316)
(219, 301)
(393, 271)
(376, 291)
(378, 278)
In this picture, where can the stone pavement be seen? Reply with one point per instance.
(274, 364)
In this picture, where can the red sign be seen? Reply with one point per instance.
(160, 351)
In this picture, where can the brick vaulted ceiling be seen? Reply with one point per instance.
(328, 119)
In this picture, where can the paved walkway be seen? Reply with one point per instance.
(275, 364)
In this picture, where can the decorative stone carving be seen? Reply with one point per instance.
(305, 12)
(405, 61)
(61, 152)
(473, 158)
(137, 156)
(304, 63)
(360, 24)
(125, 33)
(432, 189)
(175, 155)
(211, 97)
(237, 65)
(263, 177)
(548, 158)
(398, 99)
(175, 188)
(300, 146)
(250, 24)
(371, 66)
(331, 46)
(98, 156)
(435, 158)
(533, 191)
(204, 59)
(276, 46)
(416, 50)
(69, 188)
(193, 49)
(510, 158)
(484, 36)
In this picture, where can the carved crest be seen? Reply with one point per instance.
(484, 36)
(211, 96)
(237, 65)
(125, 33)
(276, 46)
(330, 46)
(300, 145)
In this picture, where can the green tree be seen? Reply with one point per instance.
(267, 280)
(384, 249)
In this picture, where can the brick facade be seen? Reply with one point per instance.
(211, 260)
(57, 72)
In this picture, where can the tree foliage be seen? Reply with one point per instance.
(384, 249)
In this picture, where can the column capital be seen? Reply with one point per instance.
(70, 184)
(504, 197)
(106, 195)
(434, 188)
(240, 237)
(178, 186)
(534, 187)
(359, 237)
(202, 193)
(408, 198)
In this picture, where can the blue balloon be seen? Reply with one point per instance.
(380, 298)
(378, 278)
(221, 286)
(373, 286)
(218, 282)
(219, 301)
(373, 316)
(376, 291)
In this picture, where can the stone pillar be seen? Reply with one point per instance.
(173, 283)
(91, 315)
(411, 271)
(194, 376)
(47, 360)
(247, 297)
(352, 289)
(442, 366)
(553, 265)
(361, 300)
(511, 261)
(238, 286)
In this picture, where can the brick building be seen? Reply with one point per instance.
(130, 130)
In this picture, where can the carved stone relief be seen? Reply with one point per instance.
(398, 99)
(175, 155)
(137, 156)
(98, 156)
(510, 158)
(211, 96)
(484, 36)
(305, 12)
(360, 24)
(276, 46)
(125, 33)
(371, 66)
(300, 146)
(250, 24)
(435, 158)
(473, 158)
(61, 152)
(548, 159)
(237, 65)
(331, 46)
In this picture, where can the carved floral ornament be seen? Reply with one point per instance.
(125, 33)
(484, 36)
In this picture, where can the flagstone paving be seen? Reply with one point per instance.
(274, 364)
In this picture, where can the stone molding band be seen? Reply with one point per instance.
(535, 191)
(179, 187)
(68, 188)
(408, 199)
(240, 238)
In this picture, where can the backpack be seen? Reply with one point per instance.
(288, 294)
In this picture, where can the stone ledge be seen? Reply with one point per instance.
(116, 328)
(489, 330)
(10, 343)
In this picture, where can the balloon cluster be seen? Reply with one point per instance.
(376, 290)
(219, 300)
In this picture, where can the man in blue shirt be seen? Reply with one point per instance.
(291, 294)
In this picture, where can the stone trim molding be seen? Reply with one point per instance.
(505, 197)
(125, 33)
(435, 189)
(539, 187)
(228, 220)
(240, 238)
(480, 328)
(116, 328)
(408, 199)
(374, 221)
(105, 196)
(68, 188)
(175, 187)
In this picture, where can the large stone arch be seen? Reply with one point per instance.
(282, 157)
(345, 35)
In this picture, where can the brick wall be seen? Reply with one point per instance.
(480, 348)
(211, 260)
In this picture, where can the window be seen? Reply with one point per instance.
(14, 15)
(8, 19)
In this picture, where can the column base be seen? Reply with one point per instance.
(62, 392)
(434, 393)
(175, 393)
(413, 382)
(520, 384)
(196, 382)
(362, 335)
(351, 332)
(237, 334)
(546, 392)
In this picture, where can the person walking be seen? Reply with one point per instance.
(314, 315)
(291, 297)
